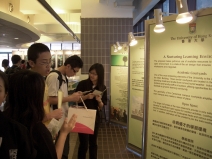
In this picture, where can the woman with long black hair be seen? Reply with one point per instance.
(95, 81)
(25, 99)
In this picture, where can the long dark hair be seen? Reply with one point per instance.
(25, 98)
(100, 72)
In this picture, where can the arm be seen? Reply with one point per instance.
(53, 87)
(102, 99)
(99, 100)
(66, 128)
(75, 97)
(57, 114)
(88, 96)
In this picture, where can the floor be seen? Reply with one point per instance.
(111, 143)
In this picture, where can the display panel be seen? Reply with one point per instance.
(119, 84)
(178, 90)
(136, 92)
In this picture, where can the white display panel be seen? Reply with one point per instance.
(178, 90)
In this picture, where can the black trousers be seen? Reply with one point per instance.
(88, 140)
(66, 146)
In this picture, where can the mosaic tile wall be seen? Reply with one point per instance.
(97, 36)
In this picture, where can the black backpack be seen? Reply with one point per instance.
(61, 80)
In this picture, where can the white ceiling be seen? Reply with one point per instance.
(50, 29)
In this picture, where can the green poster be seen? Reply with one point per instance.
(119, 60)
(119, 85)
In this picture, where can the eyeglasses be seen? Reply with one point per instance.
(46, 63)
(74, 70)
(92, 73)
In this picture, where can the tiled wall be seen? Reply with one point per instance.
(97, 36)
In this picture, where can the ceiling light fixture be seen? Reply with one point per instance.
(57, 17)
(16, 38)
(131, 39)
(159, 28)
(184, 16)
(118, 45)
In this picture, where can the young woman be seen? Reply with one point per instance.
(26, 91)
(14, 137)
(95, 81)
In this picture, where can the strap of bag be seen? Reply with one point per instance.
(61, 80)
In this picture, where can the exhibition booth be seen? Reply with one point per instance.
(161, 88)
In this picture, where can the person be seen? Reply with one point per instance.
(23, 65)
(5, 64)
(16, 60)
(95, 81)
(14, 137)
(39, 60)
(71, 66)
(26, 92)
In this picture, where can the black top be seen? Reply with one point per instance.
(87, 85)
(7, 70)
(43, 142)
(14, 140)
(13, 69)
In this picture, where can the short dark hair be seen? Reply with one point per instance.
(5, 62)
(22, 61)
(15, 59)
(25, 98)
(3, 76)
(99, 68)
(35, 49)
(74, 61)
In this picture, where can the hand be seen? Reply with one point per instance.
(68, 126)
(99, 98)
(57, 113)
(75, 97)
(90, 96)
(80, 93)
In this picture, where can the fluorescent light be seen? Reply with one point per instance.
(159, 28)
(59, 11)
(184, 16)
(131, 39)
(115, 48)
(119, 46)
(16, 38)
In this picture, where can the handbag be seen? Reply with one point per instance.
(85, 121)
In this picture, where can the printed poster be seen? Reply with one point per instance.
(119, 84)
(180, 87)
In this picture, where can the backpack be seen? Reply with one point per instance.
(61, 80)
(13, 69)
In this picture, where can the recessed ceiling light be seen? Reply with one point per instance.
(16, 38)
(3, 34)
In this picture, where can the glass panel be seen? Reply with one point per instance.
(166, 7)
(2, 57)
(10, 62)
(203, 4)
(76, 46)
(67, 46)
(55, 46)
